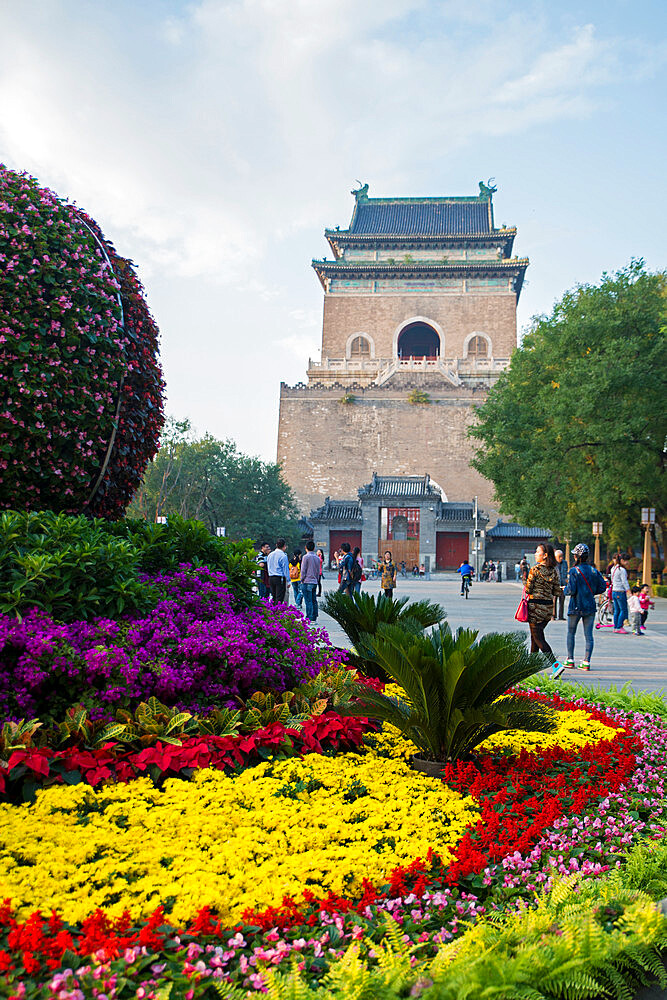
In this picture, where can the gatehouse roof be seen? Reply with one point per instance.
(337, 510)
(400, 488)
(507, 529)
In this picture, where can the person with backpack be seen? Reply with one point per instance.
(295, 577)
(583, 583)
(388, 581)
(357, 569)
(345, 567)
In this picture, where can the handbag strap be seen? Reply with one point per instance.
(583, 575)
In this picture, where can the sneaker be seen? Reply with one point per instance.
(569, 664)
(556, 670)
(584, 665)
(621, 631)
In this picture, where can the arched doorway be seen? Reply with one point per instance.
(418, 340)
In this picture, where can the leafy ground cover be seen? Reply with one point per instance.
(553, 822)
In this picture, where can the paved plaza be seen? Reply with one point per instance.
(491, 606)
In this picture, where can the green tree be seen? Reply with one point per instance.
(574, 430)
(212, 481)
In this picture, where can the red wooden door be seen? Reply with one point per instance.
(336, 539)
(451, 549)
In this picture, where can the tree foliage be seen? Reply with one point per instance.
(210, 480)
(81, 382)
(574, 430)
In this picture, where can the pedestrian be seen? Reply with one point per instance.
(484, 572)
(404, 571)
(295, 577)
(583, 583)
(320, 555)
(620, 591)
(388, 581)
(559, 602)
(277, 566)
(525, 568)
(646, 603)
(635, 611)
(542, 586)
(517, 571)
(357, 570)
(311, 574)
(345, 567)
(262, 572)
(492, 572)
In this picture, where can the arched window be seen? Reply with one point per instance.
(418, 340)
(478, 347)
(360, 348)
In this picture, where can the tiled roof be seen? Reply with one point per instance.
(458, 512)
(505, 530)
(337, 510)
(423, 217)
(414, 487)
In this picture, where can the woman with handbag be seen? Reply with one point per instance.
(583, 583)
(542, 585)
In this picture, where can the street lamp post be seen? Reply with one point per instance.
(568, 539)
(597, 531)
(648, 519)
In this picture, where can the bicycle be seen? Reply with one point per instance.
(465, 586)
(604, 617)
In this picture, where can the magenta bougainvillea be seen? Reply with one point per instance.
(81, 397)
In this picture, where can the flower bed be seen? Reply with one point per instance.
(192, 650)
(536, 813)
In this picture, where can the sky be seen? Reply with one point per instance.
(214, 141)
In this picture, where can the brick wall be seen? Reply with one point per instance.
(329, 448)
(458, 315)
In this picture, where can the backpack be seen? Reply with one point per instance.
(355, 572)
(295, 572)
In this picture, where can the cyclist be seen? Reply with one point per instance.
(467, 573)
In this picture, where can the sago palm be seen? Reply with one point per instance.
(364, 613)
(451, 684)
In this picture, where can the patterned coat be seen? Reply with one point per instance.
(543, 585)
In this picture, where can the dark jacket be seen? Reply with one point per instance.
(562, 571)
(583, 583)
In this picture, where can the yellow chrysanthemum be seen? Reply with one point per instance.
(321, 823)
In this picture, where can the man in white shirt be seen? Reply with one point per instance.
(277, 566)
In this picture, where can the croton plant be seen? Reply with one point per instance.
(82, 387)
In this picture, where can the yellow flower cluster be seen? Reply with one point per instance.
(575, 729)
(229, 842)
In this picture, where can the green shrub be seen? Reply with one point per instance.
(163, 547)
(76, 568)
(660, 590)
(67, 566)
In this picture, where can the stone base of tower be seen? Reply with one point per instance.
(329, 447)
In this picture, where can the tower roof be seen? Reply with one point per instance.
(422, 217)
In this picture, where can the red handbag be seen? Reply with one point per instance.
(522, 611)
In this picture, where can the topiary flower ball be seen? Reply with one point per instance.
(80, 382)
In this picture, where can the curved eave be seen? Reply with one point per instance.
(338, 239)
(378, 269)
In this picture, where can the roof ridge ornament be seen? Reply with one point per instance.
(360, 193)
(485, 190)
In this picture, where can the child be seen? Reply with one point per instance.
(645, 603)
(635, 611)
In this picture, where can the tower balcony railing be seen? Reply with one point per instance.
(351, 365)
